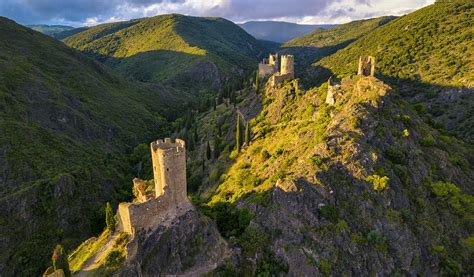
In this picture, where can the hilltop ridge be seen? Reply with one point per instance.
(180, 50)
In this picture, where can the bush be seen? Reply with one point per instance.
(230, 220)
(110, 218)
(330, 213)
(376, 239)
(428, 141)
(60, 261)
(396, 155)
(114, 259)
(380, 183)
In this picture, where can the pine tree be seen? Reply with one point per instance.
(208, 151)
(237, 134)
(109, 217)
(247, 134)
(60, 261)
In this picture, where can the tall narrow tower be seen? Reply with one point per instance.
(169, 169)
(366, 66)
(288, 65)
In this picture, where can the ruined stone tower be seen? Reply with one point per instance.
(288, 66)
(366, 66)
(170, 198)
(169, 168)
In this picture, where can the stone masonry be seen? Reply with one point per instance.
(366, 66)
(287, 71)
(269, 66)
(170, 196)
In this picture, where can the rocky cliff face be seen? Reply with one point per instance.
(189, 245)
(362, 187)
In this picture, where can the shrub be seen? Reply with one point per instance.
(380, 183)
(114, 259)
(330, 213)
(376, 239)
(428, 141)
(396, 155)
(109, 218)
(60, 261)
(443, 189)
(230, 220)
(265, 155)
(325, 267)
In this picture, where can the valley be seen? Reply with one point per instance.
(344, 151)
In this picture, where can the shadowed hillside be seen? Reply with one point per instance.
(188, 52)
(66, 125)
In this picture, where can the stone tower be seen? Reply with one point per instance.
(366, 66)
(273, 59)
(169, 169)
(287, 66)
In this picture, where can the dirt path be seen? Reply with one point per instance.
(95, 260)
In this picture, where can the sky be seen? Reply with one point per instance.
(92, 12)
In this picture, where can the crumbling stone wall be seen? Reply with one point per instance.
(269, 66)
(170, 200)
(366, 66)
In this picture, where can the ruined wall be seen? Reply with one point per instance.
(269, 66)
(278, 78)
(265, 70)
(169, 171)
(366, 66)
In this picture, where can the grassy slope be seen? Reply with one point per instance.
(66, 123)
(428, 55)
(297, 139)
(172, 46)
(339, 34)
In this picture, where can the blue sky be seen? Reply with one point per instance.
(92, 12)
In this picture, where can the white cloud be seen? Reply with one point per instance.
(90, 12)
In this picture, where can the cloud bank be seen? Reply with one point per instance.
(91, 12)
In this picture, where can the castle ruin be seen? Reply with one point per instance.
(331, 94)
(287, 71)
(268, 66)
(168, 199)
(366, 66)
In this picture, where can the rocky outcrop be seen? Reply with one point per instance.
(188, 245)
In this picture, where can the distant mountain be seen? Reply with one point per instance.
(67, 33)
(187, 52)
(49, 30)
(67, 124)
(280, 31)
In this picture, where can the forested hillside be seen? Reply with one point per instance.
(66, 126)
(428, 56)
(188, 52)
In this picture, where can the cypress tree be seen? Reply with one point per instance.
(196, 137)
(237, 134)
(257, 82)
(208, 151)
(216, 152)
(247, 134)
(109, 217)
(60, 261)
